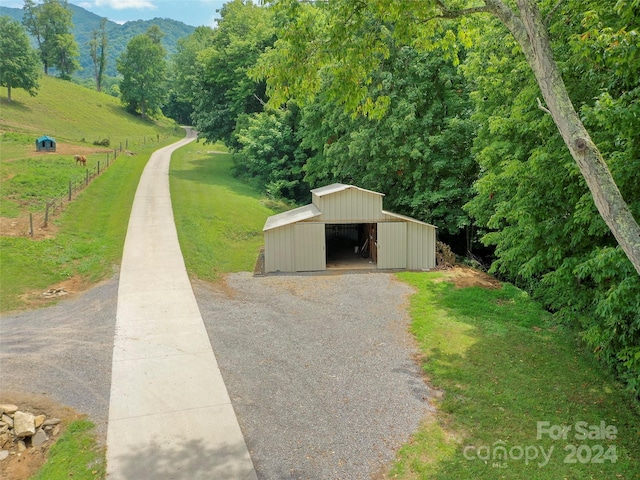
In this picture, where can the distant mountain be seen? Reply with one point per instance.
(85, 22)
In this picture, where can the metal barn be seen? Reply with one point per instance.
(345, 227)
(46, 144)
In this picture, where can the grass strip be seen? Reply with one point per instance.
(89, 241)
(521, 398)
(219, 219)
(75, 455)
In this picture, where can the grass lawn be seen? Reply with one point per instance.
(74, 455)
(511, 380)
(89, 241)
(219, 219)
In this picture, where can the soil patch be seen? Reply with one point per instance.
(22, 465)
(19, 227)
(66, 288)
(463, 277)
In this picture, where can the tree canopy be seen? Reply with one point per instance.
(143, 68)
(19, 63)
(50, 24)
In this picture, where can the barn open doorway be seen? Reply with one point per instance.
(351, 245)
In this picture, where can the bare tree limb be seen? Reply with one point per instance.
(542, 107)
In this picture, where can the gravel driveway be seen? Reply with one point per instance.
(319, 367)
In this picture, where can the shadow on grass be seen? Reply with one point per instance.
(513, 369)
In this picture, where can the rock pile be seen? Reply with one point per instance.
(20, 430)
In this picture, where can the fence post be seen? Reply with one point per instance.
(69, 190)
(46, 215)
(98, 167)
(31, 224)
(107, 160)
(115, 153)
(120, 146)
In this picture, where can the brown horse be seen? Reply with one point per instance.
(81, 159)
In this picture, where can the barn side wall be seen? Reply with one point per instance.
(279, 249)
(421, 246)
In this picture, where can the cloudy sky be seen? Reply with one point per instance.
(191, 12)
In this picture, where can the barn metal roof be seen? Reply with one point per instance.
(291, 216)
(404, 217)
(45, 137)
(339, 187)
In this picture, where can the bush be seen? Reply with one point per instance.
(105, 142)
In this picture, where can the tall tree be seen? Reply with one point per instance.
(19, 63)
(143, 68)
(311, 43)
(98, 52)
(226, 91)
(50, 24)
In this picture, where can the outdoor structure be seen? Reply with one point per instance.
(346, 227)
(46, 144)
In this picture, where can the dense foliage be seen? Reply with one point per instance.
(19, 63)
(143, 69)
(50, 24)
(442, 114)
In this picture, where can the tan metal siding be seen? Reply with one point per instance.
(309, 247)
(279, 249)
(421, 246)
(392, 245)
(349, 206)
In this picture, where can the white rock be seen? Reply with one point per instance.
(4, 454)
(8, 408)
(24, 424)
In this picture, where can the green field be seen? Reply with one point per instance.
(511, 380)
(219, 219)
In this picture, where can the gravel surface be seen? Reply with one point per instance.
(319, 369)
(64, 351)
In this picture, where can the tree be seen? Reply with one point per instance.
(226, 91)
(143, 68)
(186, 73)
(19, 64)
(313, 43)
(98, 52)
(50, 24)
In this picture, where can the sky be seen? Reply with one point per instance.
(191, 12)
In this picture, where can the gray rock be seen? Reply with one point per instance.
(51, 421)
(39, 438)
(4, 454)
(24, 424)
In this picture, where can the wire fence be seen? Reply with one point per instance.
(56, 204)
(38, 224)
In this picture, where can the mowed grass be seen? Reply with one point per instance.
(88, 244)
(72, 114)
(219, 219)
(74, 455)
(502, 367)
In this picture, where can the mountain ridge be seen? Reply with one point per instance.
(84, 22)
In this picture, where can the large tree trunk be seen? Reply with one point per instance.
(531, 33)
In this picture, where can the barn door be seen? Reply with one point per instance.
(309, 247)
(392, 245)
